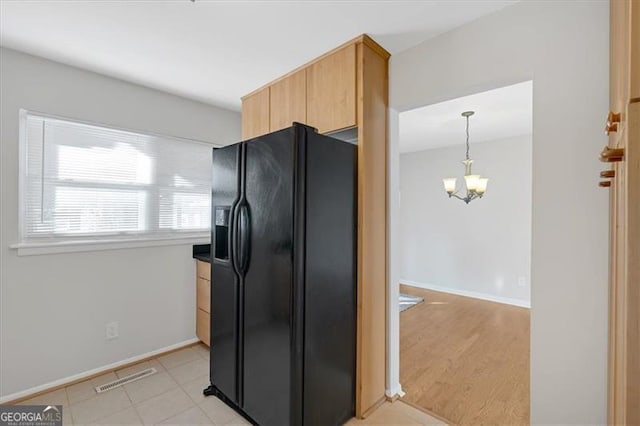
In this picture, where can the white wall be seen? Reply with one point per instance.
(480, 249)
(54, 307)
(563, 46)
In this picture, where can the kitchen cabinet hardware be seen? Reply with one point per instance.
(611, 155)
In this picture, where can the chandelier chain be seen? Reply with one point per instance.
(467, 157)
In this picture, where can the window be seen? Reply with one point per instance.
(86, 182)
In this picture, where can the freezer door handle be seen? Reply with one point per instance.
(244, 237)
(235, 231)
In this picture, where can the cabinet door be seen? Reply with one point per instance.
(255, 114)
(203, 294)
(288, 101)
(203, 270)
(624, 291)
(632, 261)
(331, 91)
(203, 325)
(635, 51)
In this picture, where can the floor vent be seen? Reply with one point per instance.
(127, 379)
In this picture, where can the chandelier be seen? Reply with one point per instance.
(476, 185)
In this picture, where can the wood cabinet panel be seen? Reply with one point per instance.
(288, 101)
(203, 294)
(624, 289)
(203, 270)
(619, 59)
(632, 261)
(372, 234)
(255, 114)
(635, 50)
(203, 300)
(203, 326)
(331, 91)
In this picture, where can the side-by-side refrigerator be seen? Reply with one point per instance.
(283, 278)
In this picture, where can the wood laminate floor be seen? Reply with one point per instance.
(466, 360)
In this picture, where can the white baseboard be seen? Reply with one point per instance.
(475, 295)
(394, 391)
(95, 371)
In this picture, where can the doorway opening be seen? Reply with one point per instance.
(465, 256)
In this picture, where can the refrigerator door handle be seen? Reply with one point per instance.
(235, 231)
(244, 237)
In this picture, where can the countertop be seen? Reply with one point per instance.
(202, 252)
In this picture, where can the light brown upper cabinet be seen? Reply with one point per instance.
(346, 88)
(256, 108)
(288, 101)
(331, 91)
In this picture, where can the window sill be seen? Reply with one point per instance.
(38, 248)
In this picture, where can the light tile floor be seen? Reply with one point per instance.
(174, 396)
(397, 413)
(171, 396)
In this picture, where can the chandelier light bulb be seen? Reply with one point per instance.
(472, 182)
(482, 185)
(449, 185)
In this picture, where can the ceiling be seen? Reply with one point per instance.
(500, 113)
(217, 51)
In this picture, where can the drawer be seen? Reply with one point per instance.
(203, 326)
(203, 294)
(203, 269)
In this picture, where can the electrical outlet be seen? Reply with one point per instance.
(522, 281)
(112, 330)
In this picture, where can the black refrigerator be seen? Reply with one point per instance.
(283, 278)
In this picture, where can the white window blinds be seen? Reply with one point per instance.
(83, 181)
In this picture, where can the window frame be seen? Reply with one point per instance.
(90, 242)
